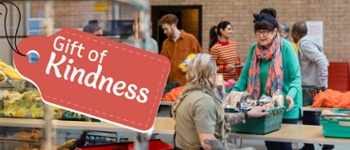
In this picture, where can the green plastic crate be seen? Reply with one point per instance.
(309, 93)
(339, 128)
(261, 125)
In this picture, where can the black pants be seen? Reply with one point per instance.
(281, 145)
(310, 118)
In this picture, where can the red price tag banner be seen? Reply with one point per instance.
(95, 76)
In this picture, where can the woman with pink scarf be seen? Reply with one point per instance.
(271, 66)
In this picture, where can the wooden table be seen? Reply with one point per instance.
(295, 133)
(164, 125)
(310, 108)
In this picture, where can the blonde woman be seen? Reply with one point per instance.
(200, 119)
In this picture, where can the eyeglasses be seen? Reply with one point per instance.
(262, 32)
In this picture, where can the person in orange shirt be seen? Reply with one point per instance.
(177, 47)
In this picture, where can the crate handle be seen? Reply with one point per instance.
(334, 115)
(342, 123)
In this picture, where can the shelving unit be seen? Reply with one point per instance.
(161, 125)
(8, 143)
(48, 127)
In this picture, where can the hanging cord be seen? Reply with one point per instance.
(15, 49)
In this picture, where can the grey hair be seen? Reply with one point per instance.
(284, 27)
(200, 70)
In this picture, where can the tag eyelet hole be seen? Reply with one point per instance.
(33, 56)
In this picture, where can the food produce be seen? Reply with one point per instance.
(331, 99)
(31, 96)
(37, 109)
(35, 134)
(173, 94)
(184, 64)
(22, 108)
(169, 86)
(28, 104)
(70, 144)
(43, 147)
(2, 75)
(9, 71)
(21, 90)
(327, 111)
(232, 99)
(11, 95)
(21, 112)
(243, 101)
(329, 114)
(278, 98)
(25, 146)
(268, 106)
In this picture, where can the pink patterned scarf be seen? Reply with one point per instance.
(275, 73)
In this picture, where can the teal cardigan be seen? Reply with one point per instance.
(291, 78)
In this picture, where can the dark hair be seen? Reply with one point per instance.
(213, 35)
(93, 22)
(264, 22)
(300, 28)
(169, 19)
(269, 11)
(92, 26)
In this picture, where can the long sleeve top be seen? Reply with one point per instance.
(313, 63)
(177, 52)
(225, 53)
(291, 78)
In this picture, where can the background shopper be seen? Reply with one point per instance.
(177, 47)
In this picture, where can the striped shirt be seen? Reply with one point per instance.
(225, 53)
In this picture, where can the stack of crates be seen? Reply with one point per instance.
(309, 93)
